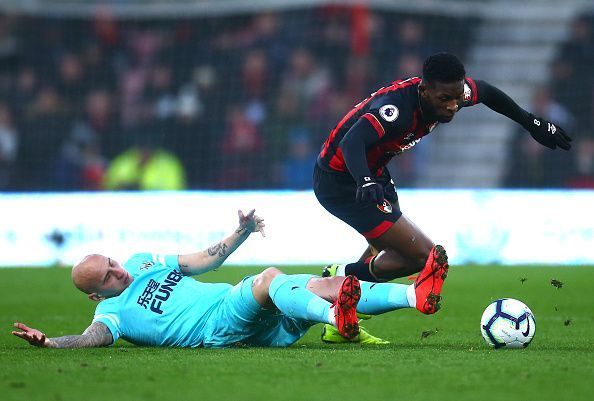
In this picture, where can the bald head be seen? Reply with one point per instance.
(86, 275)
(100, 277)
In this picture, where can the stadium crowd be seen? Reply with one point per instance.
(569, 102)
(226, 103)
(233, 102)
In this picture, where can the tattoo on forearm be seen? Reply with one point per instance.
(96, 335)
(220, 249)
(213, 250)
(75, 341)
(241, 231)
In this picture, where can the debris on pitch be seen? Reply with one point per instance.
(567, 322)
(556, 283)
(522, 279)
(428, 333)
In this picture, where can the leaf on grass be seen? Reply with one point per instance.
(556, 283)
(556, 309)
(522, 279)
(428, 333)
(567, 322)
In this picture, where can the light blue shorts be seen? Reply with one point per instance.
(239, 319)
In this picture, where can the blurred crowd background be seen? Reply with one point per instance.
(241, 101)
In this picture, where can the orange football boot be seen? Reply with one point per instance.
(430, 280)
(345, 307)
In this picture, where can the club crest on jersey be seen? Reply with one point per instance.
(385, 207)
(147, 265)
(467, 92)
(389, 112)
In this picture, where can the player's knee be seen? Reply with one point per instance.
(264, 279)
(261, 286)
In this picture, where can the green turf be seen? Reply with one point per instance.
(452, 363)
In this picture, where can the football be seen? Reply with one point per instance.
(508, 323)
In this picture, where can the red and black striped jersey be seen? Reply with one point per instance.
(395, 114)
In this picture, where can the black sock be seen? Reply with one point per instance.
(359, 270)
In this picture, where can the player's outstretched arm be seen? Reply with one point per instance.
(96, 335)
(215, 255)
(543, 131)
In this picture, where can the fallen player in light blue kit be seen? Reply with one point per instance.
(150, 300)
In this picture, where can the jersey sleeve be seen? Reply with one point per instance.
(170, 261)
(141, 262)
(498, 101)
(386, 114)
(471, 95)
(107, 312)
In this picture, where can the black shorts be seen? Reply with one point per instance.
(337, 193)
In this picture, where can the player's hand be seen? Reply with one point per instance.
(548, 134)
(369, 191)
(251, 222)
(32, 336)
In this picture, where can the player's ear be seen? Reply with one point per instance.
(96, 297)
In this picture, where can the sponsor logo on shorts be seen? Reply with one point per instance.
(385, 207)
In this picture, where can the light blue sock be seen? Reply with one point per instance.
(294, 300)
(377, 298)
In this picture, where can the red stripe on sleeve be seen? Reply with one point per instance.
(376, 124)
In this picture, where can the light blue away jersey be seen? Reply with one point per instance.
(161, 306)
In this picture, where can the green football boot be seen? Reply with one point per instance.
(329, 271)
(331, 335)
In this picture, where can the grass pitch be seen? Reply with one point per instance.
(449, 361)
